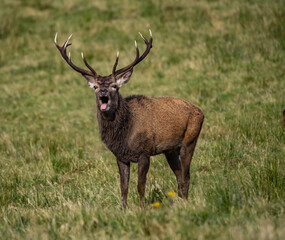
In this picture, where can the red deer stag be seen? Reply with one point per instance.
(137, 127)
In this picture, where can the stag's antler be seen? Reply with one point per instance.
(68, 59)
(137, 59)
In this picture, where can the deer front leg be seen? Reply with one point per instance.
(124, 169)
(143, 166)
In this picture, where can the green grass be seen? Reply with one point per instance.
(58, 181)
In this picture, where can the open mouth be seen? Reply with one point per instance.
(104, 103)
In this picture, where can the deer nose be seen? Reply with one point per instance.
(103, 92)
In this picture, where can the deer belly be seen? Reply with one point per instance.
(167, 145)
(153, 145)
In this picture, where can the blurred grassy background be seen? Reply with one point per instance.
(58, 181)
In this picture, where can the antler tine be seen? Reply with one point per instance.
(115, 65)
(143, 38)
(66, 43)
(62, 50)
(87, 65)
(115, 73)
(138, 57)
(55, 38)
(148, 46)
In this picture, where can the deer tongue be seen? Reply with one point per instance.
(103, 106)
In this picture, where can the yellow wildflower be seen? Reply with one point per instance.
(156, 204)
(172, 194)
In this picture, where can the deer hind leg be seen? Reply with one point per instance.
(186, 154)
(174, 163)
(187, 150)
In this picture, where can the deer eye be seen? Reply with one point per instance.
(95, 87)
(114, 87)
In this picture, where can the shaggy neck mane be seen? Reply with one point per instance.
(114, 127)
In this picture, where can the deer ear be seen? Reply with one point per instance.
(90, 80)
(124, 78)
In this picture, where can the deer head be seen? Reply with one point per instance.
(106, 87)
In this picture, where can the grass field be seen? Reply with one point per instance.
(58, 181)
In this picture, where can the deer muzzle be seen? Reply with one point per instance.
(104, 102)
